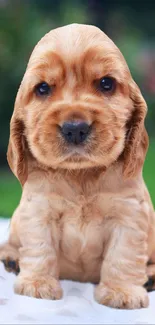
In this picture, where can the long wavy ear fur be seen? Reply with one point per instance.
(137, 138)
(16, 150)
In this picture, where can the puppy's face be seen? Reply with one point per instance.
(75, 99)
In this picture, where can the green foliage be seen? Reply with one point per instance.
(149, 170)
(10, 192)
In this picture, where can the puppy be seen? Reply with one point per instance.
(77, 145)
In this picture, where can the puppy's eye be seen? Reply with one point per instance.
(106, 84)
(42, 89)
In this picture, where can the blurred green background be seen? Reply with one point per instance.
(131, 24)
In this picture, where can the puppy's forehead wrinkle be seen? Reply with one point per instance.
(45, 62)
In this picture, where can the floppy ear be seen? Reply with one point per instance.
(137, 138)
(16, 150)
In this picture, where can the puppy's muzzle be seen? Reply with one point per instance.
(75, 132)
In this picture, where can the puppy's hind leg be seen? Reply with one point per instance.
(9, 256)
(9, 251)
(150, 284)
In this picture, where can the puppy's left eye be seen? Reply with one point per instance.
(42, 89)
(106, 84)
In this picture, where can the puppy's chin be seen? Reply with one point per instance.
(76, 163)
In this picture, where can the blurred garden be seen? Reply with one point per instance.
(131, 24)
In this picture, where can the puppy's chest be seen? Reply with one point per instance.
(82, 207)
(82, 229)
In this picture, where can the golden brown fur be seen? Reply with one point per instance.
(85, 212)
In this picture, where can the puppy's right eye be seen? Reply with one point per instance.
(42, 89)
(106, 84)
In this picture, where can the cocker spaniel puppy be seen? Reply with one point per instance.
(77, 145)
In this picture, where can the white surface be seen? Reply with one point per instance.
(77, 306)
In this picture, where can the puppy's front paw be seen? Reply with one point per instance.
(38, 287)
(125, 297)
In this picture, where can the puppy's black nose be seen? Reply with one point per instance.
(75, 132)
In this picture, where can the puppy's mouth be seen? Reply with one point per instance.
(75, 160)
(76, 153)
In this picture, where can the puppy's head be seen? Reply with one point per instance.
(77, 106)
